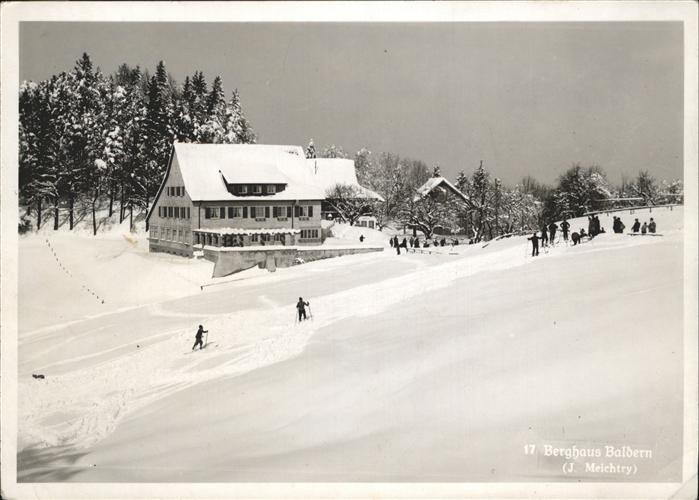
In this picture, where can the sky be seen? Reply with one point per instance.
(526, 98)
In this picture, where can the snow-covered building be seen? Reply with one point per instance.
(241, 195)
(439, 188)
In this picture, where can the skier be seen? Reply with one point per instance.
(644, 228)
(544, 236)
(396, 244)
(199, 342)
(564, 227)
(552, 232)
(301, 306)
(361, 238)
(651, 226)
(535, 244)
(591, 225)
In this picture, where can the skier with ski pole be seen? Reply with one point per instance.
(301, 307)
(198, 341)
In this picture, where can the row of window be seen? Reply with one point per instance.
(256, 189)
(174, 212)
(309, 234)
(170, 234)
(175, 190)
(257, 212)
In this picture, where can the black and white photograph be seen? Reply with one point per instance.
(349, 250)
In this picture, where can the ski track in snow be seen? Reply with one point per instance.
(81, 407)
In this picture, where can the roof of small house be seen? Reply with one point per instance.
(434, 182)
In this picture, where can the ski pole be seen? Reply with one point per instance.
(206, 340)
(310, 313)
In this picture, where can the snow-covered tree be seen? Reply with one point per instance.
(646, 187)
(236, 128)
(333, 151)
(311, 150)
(428, 213)
(580, 190)
(436, 171)
(349, 202)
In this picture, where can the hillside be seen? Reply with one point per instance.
(474, 354)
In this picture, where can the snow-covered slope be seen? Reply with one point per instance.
(474, 355)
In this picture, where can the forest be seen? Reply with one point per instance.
(90, 141)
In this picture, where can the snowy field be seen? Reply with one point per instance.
(413, 367)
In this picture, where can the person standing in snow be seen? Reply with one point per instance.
(644, 228)
(404, 244)
(564, 227)
(361, 238)
(416, 243)
(636, 226)
(575, 237)
(535, 244)
(396, 244)
(199, 342)
(591, 225)
(552, 232)
(390, 242)
(544, 236)
(301, 307)
(412, 242)
(651, 226)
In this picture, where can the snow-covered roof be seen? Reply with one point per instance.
(206, 168)
(328, 172)
(433, 183)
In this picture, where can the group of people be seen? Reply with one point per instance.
(647, 227)
(415, 242)
(548, 232)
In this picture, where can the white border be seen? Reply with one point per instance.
(13, 13)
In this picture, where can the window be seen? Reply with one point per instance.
(254, 237)
(180, 191)
(188, 216)
(277, 237)
(304, 210)
(245, 212)
(275, 211)
(169, 211)
(271, 189)
(177, 212)
(243, 189)
(267, 212)
(168, 190)
(253, 212)
(160, 211)
(233, 212)
(167, 233)
(309, 234)
(257, 189)
(211, 213)
(223, 212)
(288, 211)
